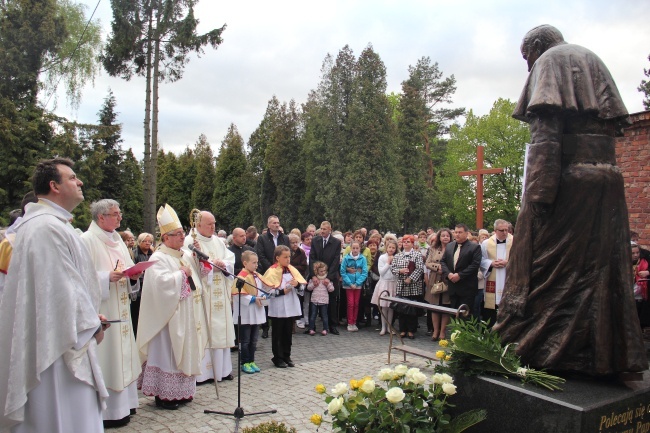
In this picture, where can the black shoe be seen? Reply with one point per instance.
(185, 400)
(334, 331)
(113, 423)
(205, 382)
(133, 411)
(229, 377)
(165, 404)
(234, 349)
(265, 333)
(290, 363)
(280, 364)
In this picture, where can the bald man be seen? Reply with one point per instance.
(238, 247)
(217, 299)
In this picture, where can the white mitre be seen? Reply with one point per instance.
(167, 219)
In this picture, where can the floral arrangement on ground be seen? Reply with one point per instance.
(399, 401)
(476, 349)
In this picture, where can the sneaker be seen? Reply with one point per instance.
(350, 328)
(354, 328)
(300, 324)
(246, 368)
(312, 332)
(324, 332)
(254, 367)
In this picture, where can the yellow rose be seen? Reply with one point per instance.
(316, 419)
(354, 384)
(443, 343)
(440, 354)
(448, 358)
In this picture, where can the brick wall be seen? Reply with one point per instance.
(633, 157)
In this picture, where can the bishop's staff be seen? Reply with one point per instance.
(195, 218)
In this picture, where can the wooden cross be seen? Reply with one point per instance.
(479, 172)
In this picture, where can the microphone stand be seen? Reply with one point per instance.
(239, 411)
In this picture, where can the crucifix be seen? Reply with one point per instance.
(479, 172)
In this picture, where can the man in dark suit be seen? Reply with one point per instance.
(264, 248)
(267, 242)
(238, 247)
(327, 249)
(460, 263)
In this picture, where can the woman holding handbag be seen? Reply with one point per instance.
(408, 267)
(441, 296)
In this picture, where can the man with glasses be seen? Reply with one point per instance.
(496, 252)
(168, 330)
(118, 356)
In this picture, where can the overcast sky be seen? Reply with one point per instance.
(277, 48)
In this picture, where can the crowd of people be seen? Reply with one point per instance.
(180, 300)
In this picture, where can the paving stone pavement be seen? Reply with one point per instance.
(319, 359)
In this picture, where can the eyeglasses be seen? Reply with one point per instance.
(501, 230)
(175, 234)
(114, 214)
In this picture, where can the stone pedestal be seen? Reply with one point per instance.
(584, 406)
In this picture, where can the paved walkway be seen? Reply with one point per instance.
(327, 360)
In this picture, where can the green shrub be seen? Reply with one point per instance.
(270, 427)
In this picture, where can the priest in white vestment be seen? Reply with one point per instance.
(496, 252)
(216, 292)
(118, 355)
(168, 331)
(50, 380)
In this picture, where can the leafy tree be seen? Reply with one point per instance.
(35, 37)
(153, 38)
(30, 30)
(645, 88)
(504, 139)
(232, 183)
(77, 60)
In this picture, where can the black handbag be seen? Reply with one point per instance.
(403, 309)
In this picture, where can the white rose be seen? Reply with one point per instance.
(447, 378)
(385, 374)
(395, 395)
(418, 378)
(340, 389)
(335, 405)
(448, 388)
(437, 379)
(411, 372)
(454, 335)
(368, 386)
(401, 369)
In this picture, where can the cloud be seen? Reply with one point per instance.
(277, 48)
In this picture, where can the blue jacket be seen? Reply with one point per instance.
(357, 278)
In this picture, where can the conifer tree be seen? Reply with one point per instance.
(203, 187)
(232, 183)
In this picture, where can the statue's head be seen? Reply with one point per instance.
(538, 40)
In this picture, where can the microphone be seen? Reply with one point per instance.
(203, 256)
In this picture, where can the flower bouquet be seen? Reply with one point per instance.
(399, 401)
(476, 349)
